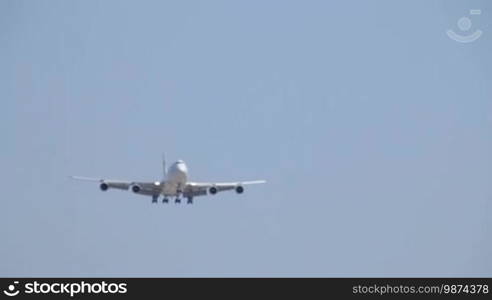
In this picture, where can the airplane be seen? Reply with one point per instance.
(173, 184)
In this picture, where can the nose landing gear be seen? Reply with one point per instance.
(179, 193)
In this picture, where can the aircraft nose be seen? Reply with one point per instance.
(181, 167)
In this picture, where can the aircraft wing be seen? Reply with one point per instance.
(202, 188)
(144, 188)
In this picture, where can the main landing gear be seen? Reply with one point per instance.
(177, 200)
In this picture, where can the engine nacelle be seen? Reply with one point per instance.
(136, 188)
(239, 189)
(213, 190)
(103, 186)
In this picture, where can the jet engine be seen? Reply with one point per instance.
(103, 186)
(239, 189)
(212, 190)
(136, 188)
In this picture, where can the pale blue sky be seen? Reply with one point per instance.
(372, 127)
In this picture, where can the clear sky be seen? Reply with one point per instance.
(372, 127)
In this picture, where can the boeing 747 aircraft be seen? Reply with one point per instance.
(174, 184)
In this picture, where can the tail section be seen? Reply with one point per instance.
(164, 168)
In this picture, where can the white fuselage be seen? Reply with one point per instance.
(176, 178)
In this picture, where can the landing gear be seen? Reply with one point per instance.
(165, 200)
(154, 198)
(179, 193)
(190, 200)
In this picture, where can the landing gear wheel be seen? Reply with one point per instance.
(154, 199)
(178, 200)
(190, 200)
(165, 200)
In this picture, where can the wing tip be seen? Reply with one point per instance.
(255, 181)
(83, 178)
